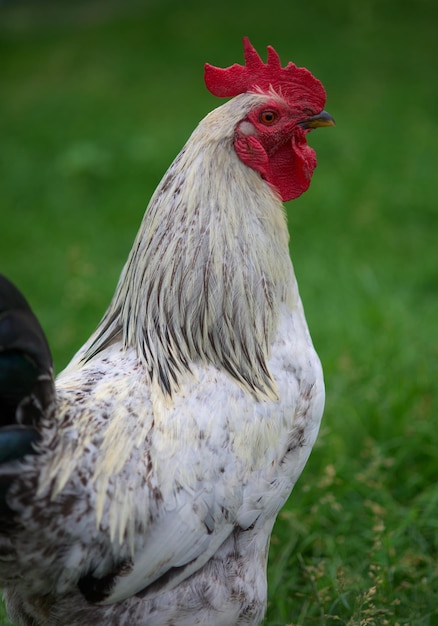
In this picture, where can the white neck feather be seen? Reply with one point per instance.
(209, 268)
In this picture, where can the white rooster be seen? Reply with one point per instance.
(143, 488)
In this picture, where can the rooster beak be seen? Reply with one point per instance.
(316, 121)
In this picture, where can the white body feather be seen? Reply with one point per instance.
(184, 423)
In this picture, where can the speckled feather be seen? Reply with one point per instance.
(182, 425)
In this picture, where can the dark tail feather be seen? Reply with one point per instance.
(27, 388)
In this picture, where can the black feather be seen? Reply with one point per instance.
(27, 389)
(26, 370)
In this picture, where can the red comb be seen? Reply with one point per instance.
(290, 81)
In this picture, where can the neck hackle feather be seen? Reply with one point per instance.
(205, 278)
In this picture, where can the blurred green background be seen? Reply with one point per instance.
(96, 99)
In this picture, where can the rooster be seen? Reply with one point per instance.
(141, 489)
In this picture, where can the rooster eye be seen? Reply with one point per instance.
(268, 117)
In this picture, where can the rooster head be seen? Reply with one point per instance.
(271, 139)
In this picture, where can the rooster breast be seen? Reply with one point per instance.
(195, 485)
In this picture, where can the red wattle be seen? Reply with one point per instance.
(290, 168)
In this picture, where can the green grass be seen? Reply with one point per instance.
(96, 100)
